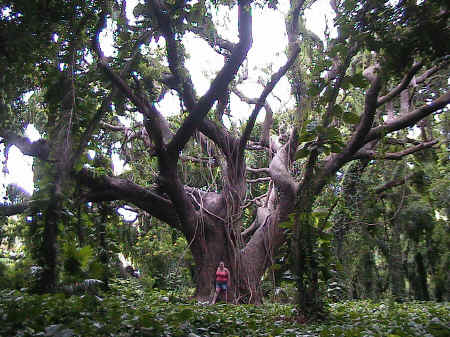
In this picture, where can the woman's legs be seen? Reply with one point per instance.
(215, 295)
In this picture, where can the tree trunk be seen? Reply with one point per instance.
(48, 256)
(100, 229)
(307, 268)
(422, 288)
(247, 266)
(369, 275)
(208, 249)
(395, 266)
(219, 235)
(309, 299)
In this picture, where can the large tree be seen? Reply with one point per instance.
(354, 91)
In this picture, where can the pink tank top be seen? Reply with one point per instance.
(221, 276)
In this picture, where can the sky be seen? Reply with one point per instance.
(269, 43)
(19, 166)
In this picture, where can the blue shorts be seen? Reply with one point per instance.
(221, 285)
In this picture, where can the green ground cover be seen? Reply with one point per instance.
(129, 310)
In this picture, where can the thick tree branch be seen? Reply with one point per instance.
(112, 127)
(224, 47)
(26, 207)
(259, 180)
(107, 101)
(258, 170)
(275, 78)
(8, 210)
(293, 27)
(430, 72)
(256, 200)
(169, 155)
(158, 125)
(220, 136)
(395, 141)
(280, 201)
(370, 154)
(14, 209)
(282, 178)
(333, 90)
(393, 183)
(219, 84)
(39, 149)
(105, 188)
(357, 140)
(368, 116)
(174, 54)
(409, 119)
(207, 161)
(401, 86)
(268, 120)
(264, 139)
(101, 111)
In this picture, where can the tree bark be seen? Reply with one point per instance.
(48, 254)
(247, 266)
(422, 287)
(395, 265)
(309, 300)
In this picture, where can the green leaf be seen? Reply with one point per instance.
(337, 110)
(302, 153)
(306, 137)
(314, 90)
(333, 135)
(185, 314)
(351, 117)
(358, 80)
(315, 220)
(288, 224)
(325, 149)
(346, 82)
(312, 126)
(275, 266)
(336, 147)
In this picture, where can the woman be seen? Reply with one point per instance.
(222, 281)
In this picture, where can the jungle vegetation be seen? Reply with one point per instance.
(341, 193)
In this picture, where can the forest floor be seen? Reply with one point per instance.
(128, 310)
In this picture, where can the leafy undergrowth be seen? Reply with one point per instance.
(130, 311)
